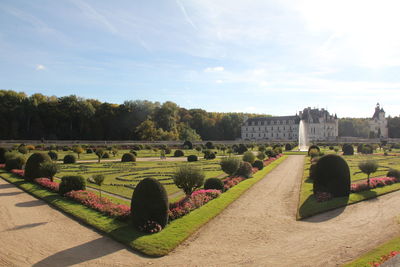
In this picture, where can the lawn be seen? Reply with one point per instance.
(308, 205)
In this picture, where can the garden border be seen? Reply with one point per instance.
(158, 244)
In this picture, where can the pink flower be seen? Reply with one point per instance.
(45, 182)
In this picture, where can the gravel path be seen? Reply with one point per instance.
(257, 230)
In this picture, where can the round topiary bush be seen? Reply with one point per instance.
(178, 153)
(393, 173)
(89, 151)
(188, 145)
(241, 149)
(270, 153)
(14, 161)
(32, 167)
(167, 150)
(106, 155)
(261, 155)
(288, 147)
(128, 157)
(313, 147)
(69, 183)
(210, 145)
(367, 149)
(332, 175)
(249, 157)
(69, 159)
(53, 155)
(244, 170)
(214, 183)
(348, 150)
(208, 154)
(192, 158)
(258, 164)
(230, 165)
(3, 155)
(149, 204)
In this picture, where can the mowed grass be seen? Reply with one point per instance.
(308, 205)
(158, 244)
(122, 177)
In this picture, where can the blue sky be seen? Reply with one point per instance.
(273, 57)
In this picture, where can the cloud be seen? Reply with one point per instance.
(219, 81)
(214, 69)
(188, 19)
(40, 67)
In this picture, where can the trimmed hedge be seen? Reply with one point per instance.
(69, 159)
(73, 182)
(192, 158)
(128, 157)
(178, 153)
(348, 150)
(245, 169)
(258, 164)
(53, 155)
(32, 167)
(214, 183)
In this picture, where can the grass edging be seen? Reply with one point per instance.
(376, 253)
(158, 244)
(308, 206)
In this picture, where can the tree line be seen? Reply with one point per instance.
(359, 127)
(75, 118)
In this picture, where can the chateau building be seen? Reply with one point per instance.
(320, 125)
(378, 125)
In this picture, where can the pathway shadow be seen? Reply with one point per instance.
(31, 225)
(5, 186)
(10, 194)
(32, 203)
(91, 250)
(323, 211)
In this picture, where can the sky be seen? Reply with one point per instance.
(257, 56)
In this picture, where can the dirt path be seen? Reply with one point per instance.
(257, 230)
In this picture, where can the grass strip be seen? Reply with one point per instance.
(158, 244)
(376, 254)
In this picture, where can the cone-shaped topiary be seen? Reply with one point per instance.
(149, 203)
(348, 150)
(32, 167)
(128, 157)
(258, 164)
(332, 175)
(214, 183)
(69, 183)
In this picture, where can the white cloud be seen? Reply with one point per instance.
(40, 67)
(214, 69)
(219, 81)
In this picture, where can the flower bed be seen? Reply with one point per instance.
(187, 204)
(2, 166)
(230, 182)
(373, 183)
(385, 258)
(103, 205)
(47, 183)
(18, 172)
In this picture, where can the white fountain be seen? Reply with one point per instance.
(303, 136)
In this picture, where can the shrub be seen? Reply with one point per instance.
(23, 150)
(313, 153)
(100, 153)
(188, 178)
(261, 155)
(348, 150)
(69, 159)
(332, 175)
(49, 169)
(230, 165)
(167, 150)
(315, 147)
(65, 148)
(33, 165)
(270, 153)
(69, 183)
(53, 155)
(331, 147)
(208, 154)
(187, 144)
(2, 155)
(288, 147)
(149, 203)
(106, 155)
(214, 183)
(78, 150)
(258, 164)
(393, 173)
(133, 152)
(245, 169)
(249, 157)
(368, 167)
(241, 149)
(367, 149)
(99, 179)
(89, 151)
(137, 147)
(14, 161)
(178, 153)
(128, 157)
(192, 158)
(210, 145)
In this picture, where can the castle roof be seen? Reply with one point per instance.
(275, 118)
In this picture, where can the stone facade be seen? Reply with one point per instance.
(321, 126)
(378, 125)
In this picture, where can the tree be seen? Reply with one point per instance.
(368, 167)
(188, 178)
(49, 169)
(99, 179)
(100, 153)
(78, 150)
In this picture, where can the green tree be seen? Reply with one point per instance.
(99, 179)
(368, 167)
(188, 178)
